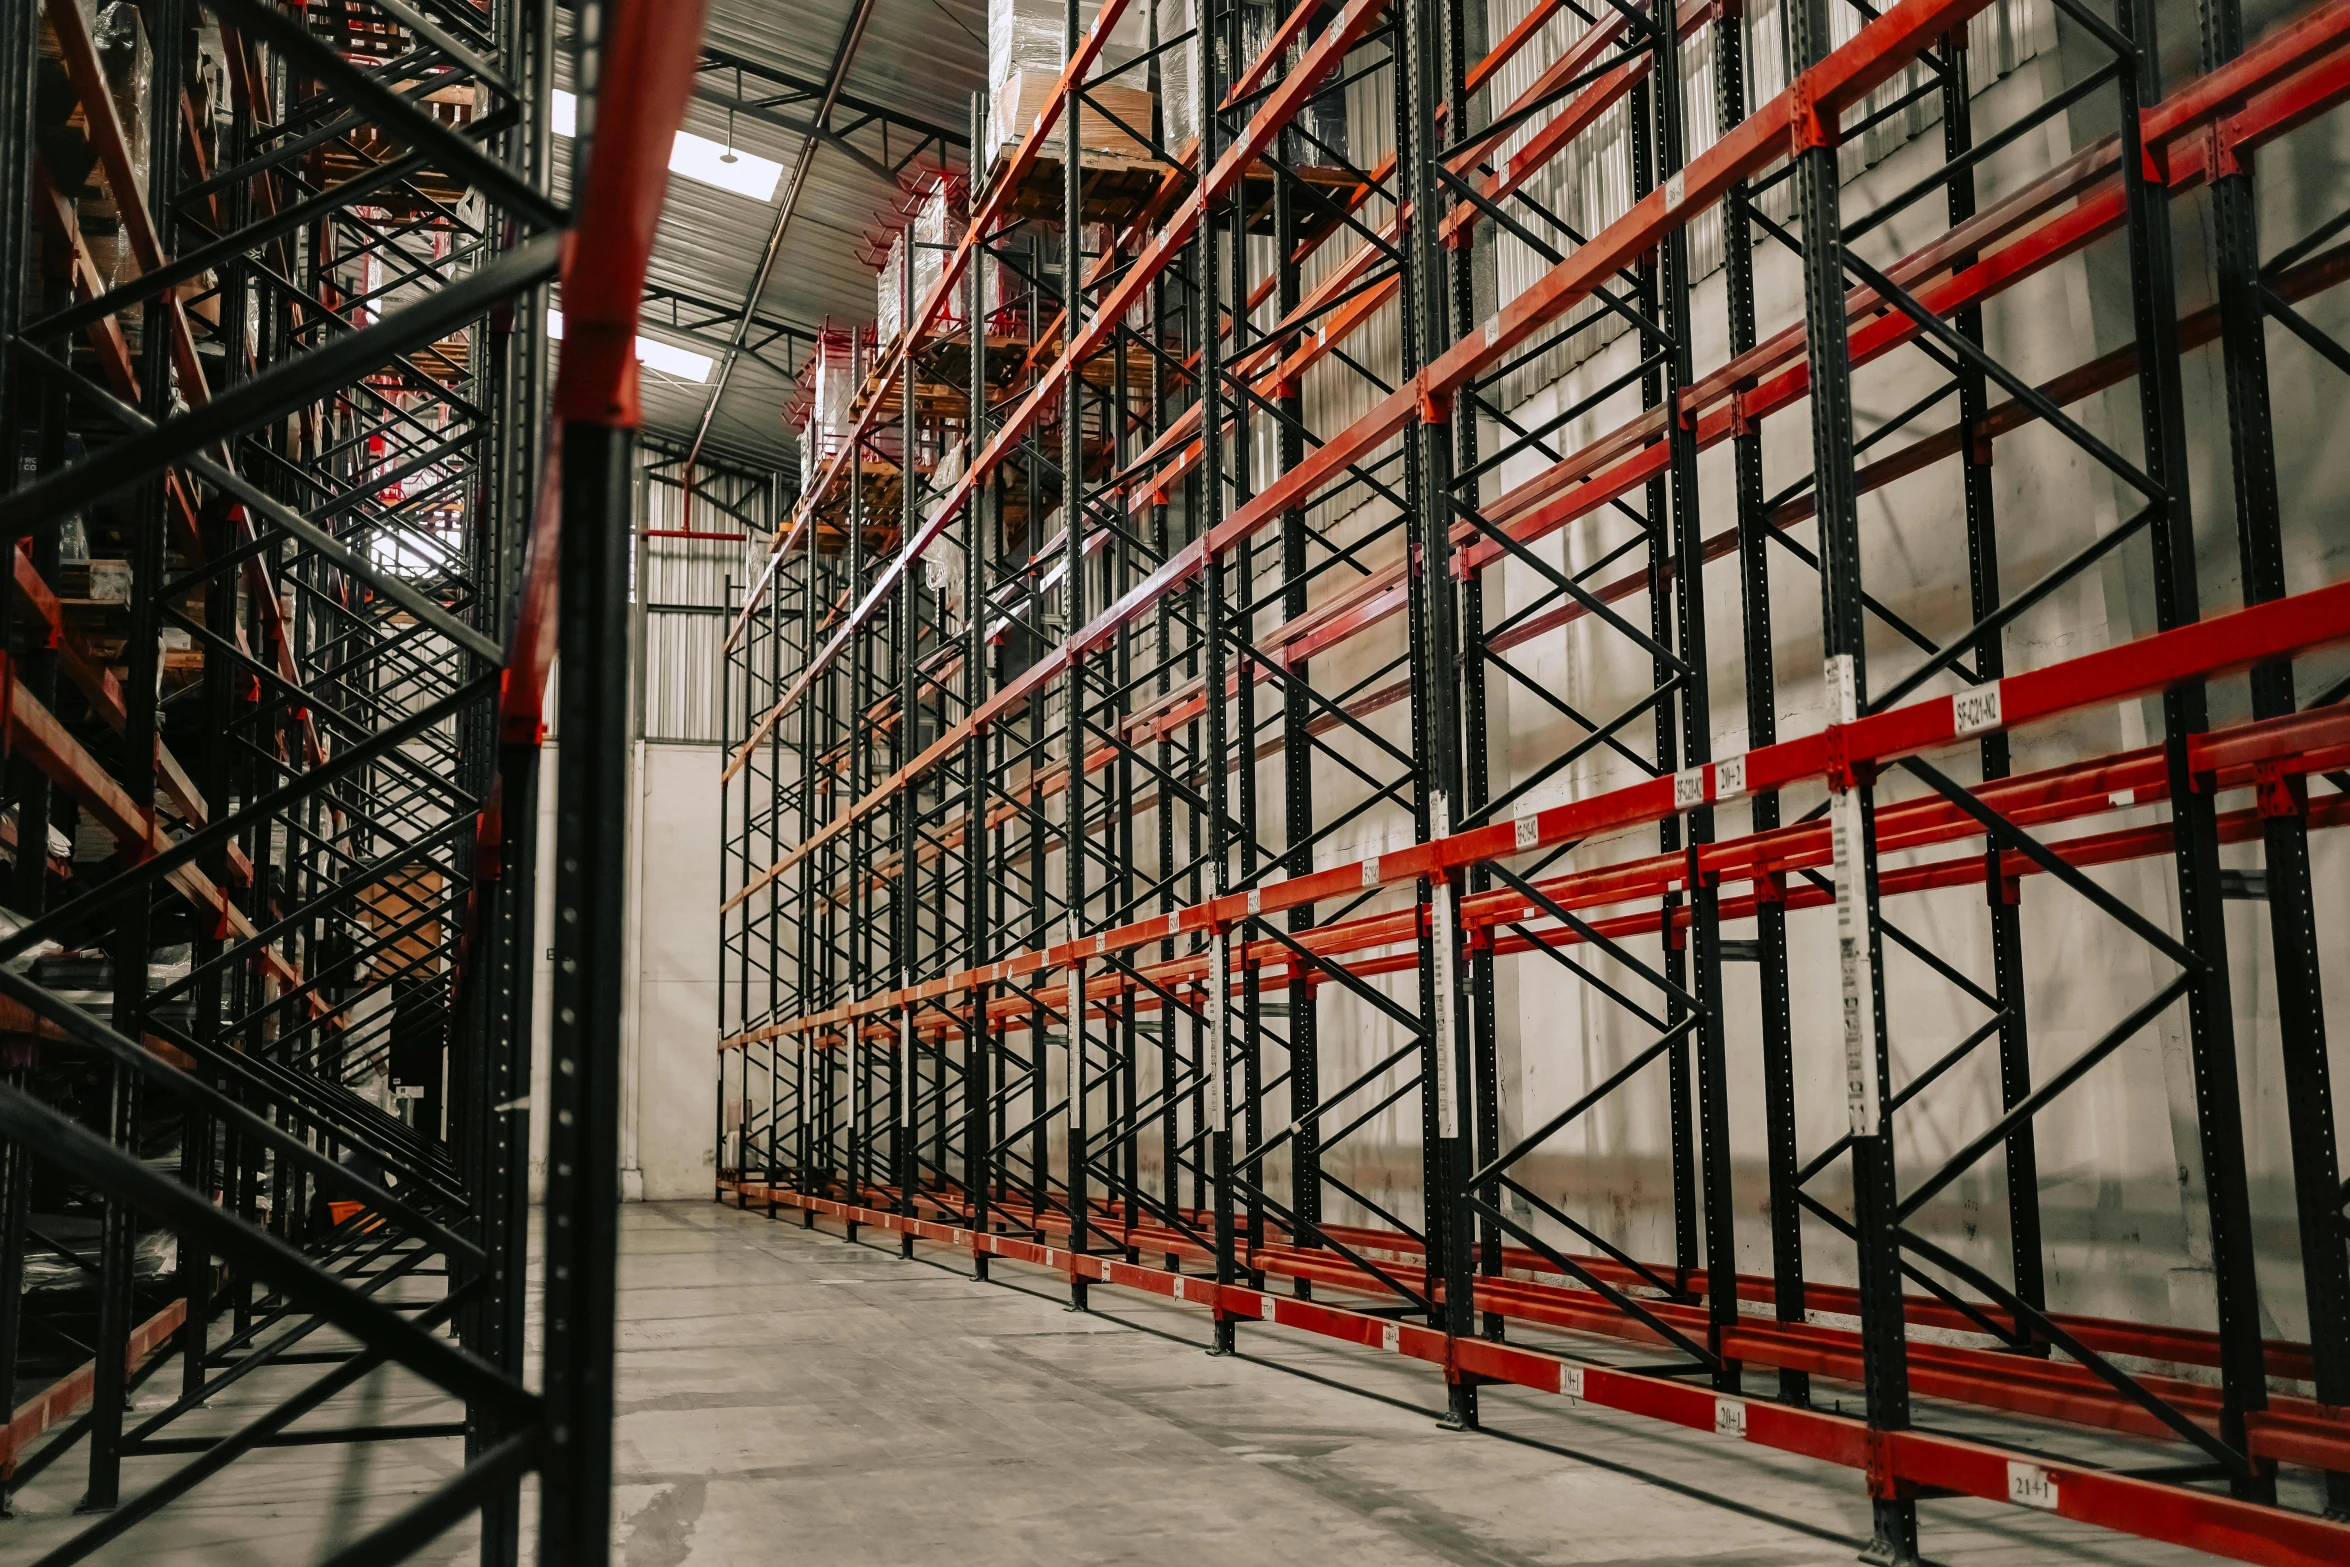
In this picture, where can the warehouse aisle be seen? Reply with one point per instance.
(787, 1395)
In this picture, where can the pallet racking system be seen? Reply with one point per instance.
(1038, 898)
(275, 280)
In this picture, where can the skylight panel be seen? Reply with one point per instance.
(667, 358)
(696, 157)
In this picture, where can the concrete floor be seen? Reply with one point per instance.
(788, 1396)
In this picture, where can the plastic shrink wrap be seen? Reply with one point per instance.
(889, 293)
(1025, 54)
(832, 389)
(68, 142)
(1322, 121)
(938, 228)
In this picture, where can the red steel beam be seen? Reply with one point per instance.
(2273, 64)
(53, 749)
(1632, 882)
(648, 62)
(64, 1398)
(1023, 158)
(2220, 645)
(2226, 759)
(2296, 72)
(1321, 58)
(1892, 1461)
(2303, 1432)
(98, 686)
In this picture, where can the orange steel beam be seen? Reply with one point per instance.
(2228, 760)
(64, 1398)
(2095, 680)
(1945, 1465)
(1716, 404)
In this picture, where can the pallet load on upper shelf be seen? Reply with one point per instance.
(942, 563)
(937, 216)
(831, 382)
(938, 228)
(1025, 55)
(1320, 126)
(889, 292)
(66, 144)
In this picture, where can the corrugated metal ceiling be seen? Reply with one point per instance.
(919, 58)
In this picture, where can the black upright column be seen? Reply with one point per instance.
(589, 939)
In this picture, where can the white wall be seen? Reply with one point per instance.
(671, 997)
(673, 1000)
(2118, 1154)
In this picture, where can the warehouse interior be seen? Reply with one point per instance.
(1468, 781)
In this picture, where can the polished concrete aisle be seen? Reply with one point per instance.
(788, 1396)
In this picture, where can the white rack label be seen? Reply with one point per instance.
(1974, 710)
(1447, 983)
(1219, 1058)
(2029, 1485)
(1529, 830)
(1371, 871)
(1688, 788)
(1571, 1381)
(1492, 330)
(1730, 1417)
(1676, 191)
(1179, 1295)
(1390, 1337)
(1856, 970)
(1854, 958)
(1256, 900)
(1730, 777)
